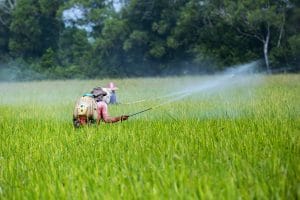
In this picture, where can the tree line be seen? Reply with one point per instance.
(92, 38)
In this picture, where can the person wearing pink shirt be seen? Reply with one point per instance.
(103, 115)
(92, 107)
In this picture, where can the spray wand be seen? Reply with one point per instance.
(148, 110)
(183, 95)
(139, 112)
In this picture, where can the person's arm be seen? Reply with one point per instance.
(115, 119)
(106, 118)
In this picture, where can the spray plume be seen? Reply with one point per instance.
(234, 77)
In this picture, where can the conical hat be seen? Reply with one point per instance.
(112, 86)
(98, 91)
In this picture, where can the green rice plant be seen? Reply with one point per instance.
(240, 143)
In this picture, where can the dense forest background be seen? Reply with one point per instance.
(60, 39)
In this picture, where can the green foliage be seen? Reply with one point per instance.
(50, 24)
(34, 28)
(25, 29)
(69, 72)
(158, 50)
(74, 48)
(149, 37)
(136, 39)
(48, 59)
(108, 48)
(3, 40)
(294, 43)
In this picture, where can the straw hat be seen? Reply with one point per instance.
(98, 91)
(112, 86)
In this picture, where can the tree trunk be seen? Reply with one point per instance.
(6, 7)
(266, 47)
(280, 35)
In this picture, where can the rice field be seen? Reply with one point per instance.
(238, 143)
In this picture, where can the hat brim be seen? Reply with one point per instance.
(98, 91)
(112, 88)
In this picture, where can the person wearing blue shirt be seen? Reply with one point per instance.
(113, 97)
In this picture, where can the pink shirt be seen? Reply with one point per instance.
(102, 110)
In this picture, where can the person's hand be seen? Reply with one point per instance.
(124, 117)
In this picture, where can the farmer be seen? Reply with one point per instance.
(91, 108)
(112, 93)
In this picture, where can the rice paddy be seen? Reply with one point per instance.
(240, 143)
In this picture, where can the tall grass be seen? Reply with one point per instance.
(242, 143)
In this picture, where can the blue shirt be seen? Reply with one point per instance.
(113, 98)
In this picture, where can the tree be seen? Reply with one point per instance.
(49, 23)
(292, 32)
(109, 56)
(34, 27)
(4, 37)
(74, 47)
(87, 14)
(150, 45)
(6, 8)
(25, 30)
(48, 59)
(259, 19)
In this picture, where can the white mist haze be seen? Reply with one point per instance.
(230, 93)
(211, 93)
(234, 78)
